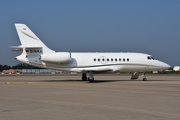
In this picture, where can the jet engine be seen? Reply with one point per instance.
(58, 57)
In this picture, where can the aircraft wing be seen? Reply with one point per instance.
(96, 69)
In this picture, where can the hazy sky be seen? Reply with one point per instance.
(147, 26)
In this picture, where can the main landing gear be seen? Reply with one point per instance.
(90, 78)
(84, 78)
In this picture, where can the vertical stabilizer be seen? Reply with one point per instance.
(29, 40)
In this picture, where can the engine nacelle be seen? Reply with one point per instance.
(59, 57)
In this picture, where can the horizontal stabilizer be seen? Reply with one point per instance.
(23, 46)
(20, 48)
(17, 50)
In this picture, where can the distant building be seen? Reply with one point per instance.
(34, 71)
(43, 71)
(38, 71)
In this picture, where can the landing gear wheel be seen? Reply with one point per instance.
(144, 79)
(90, 79)
(84, 78)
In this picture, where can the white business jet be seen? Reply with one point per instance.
(36, 53)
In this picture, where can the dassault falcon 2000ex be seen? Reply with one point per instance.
(36, 53)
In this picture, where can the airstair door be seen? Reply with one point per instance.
(103, 60)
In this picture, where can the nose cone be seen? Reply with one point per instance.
(164, 66)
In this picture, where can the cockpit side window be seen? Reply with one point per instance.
(150, 58)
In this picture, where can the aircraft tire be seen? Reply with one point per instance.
(84, 78)
(90, 79)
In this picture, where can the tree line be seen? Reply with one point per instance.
(18, 66)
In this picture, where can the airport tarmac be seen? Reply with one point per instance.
(110, 97)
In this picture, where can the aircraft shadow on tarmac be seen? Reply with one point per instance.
(96, 81)
(102, 81)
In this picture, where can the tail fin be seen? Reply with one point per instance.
(29, 40)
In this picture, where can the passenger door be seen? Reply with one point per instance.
(103, 60)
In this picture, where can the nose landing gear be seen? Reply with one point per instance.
(144, 76)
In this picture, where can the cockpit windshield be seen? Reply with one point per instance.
(150, 58)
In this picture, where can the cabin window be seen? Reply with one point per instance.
(111, 59)
(128, 59)
(98, 59)
(103, 59)
(123, 59)
(116, 60)
(94, 59)
(108, 59)
(120, 59)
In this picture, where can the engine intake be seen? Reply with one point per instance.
(58, 57)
